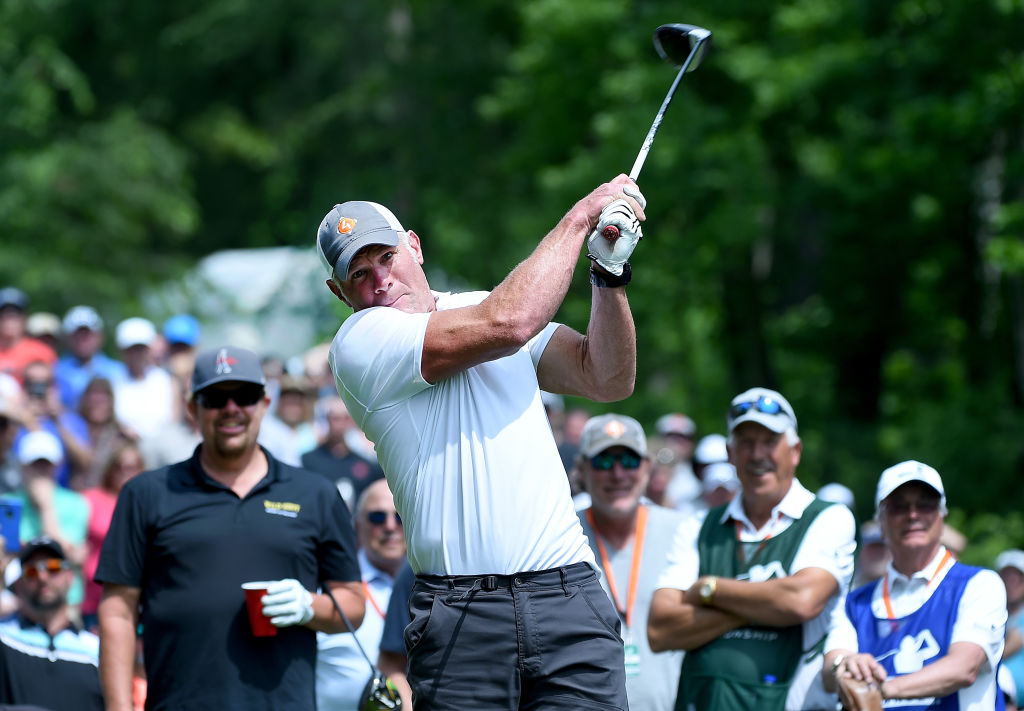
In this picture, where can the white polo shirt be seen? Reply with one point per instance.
(471, 460)
(980, 618)
(828, 544)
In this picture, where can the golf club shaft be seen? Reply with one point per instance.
(646, 147)
(611, 232)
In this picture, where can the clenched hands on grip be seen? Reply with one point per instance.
(617, 232)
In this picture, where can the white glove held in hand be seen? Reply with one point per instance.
(612, 254)
(287, 603)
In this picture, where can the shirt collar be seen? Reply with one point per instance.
(926, 573)
(792, 505)
(372, 573)
(27, 624)
(275, 472)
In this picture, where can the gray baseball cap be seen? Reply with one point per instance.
(226, 365)
(349, 227)
(763, 406)
(611, 430)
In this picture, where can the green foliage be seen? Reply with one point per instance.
(836, 198)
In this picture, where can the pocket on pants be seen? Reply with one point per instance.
(602, 609)
(421, 610)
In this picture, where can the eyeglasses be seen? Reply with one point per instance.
(50, 565)
(377, 518)
(215, 398)
(604, 462)
(901, 507)
(764, 404)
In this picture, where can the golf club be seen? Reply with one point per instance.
(684, 46)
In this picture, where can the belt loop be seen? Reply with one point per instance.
(565, 581)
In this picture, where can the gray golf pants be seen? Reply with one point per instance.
(546, 639)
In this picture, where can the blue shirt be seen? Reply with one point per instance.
(73, 375)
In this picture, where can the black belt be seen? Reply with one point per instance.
(577, 572)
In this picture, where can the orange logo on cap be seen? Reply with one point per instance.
(346, 225)
(614, 429)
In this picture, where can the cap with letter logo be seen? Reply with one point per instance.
(349, 227)
(226, 364)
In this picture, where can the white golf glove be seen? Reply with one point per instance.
(287, 603)
(612, 254)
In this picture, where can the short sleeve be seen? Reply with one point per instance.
(829, 544)
(538, 343)
(981, 616)
(377, 354)
(842, 634)
(682, 562)
(337, 545)
(123, 555)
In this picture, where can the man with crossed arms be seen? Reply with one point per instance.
(751, 601)
(507, 610)
(930, 632)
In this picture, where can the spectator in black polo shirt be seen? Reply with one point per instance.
(184, 539)
(45, 660)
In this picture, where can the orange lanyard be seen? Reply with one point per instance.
(369, 596)
(764, 541)
(634, 568)
(885, 584)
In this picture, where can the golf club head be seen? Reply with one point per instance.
(677, 41)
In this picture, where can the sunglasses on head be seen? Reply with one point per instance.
(763, 404)
(50, 565)
(377, 518)
(216, 398)
(604, 461)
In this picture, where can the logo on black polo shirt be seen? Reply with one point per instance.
(281, 508)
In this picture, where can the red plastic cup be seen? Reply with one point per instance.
(260, 623)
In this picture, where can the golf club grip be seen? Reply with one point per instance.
(610, 233)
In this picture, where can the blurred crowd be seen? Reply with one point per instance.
(79, 418)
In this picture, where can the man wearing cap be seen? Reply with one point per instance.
(83, 333)
(448, 388)
(752, 600)
(45, 659)
(144, 397)
(16, 348)
(47, 508)
(930, 632)
(185, 538)
(630, 539)
(1010, 566)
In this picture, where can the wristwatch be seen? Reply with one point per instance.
(707, 589)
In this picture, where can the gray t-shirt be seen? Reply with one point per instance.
(652, 679)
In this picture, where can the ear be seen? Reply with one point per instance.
(336, 290)
(190, 407)
(414, 244)
(797, 451)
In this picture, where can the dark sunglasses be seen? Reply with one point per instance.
(50, 565)
(215, 398)
(900, 507)
(377, 518)
(604, 462)
(766, 405)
